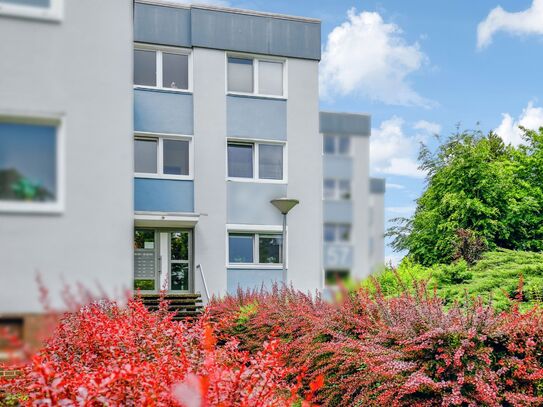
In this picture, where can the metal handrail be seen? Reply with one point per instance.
(199, 266)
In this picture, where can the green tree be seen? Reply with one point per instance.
(478, 184)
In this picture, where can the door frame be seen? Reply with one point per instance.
(162, 250)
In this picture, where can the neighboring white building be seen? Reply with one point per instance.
(66, 169)
(146, 155)
(353, 220)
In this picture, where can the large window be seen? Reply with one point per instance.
(337, 145)
(251, 248)
(255, 76)
(336, 189)
(40, 9)
(162, 157)
(30, 165)
(165, 69)
(256, 161)
(337, 233)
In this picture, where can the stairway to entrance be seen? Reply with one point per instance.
(184, 305)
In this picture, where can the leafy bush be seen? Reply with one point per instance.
(495, 277)
(407, 350)
(108, 354)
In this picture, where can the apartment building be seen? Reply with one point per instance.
(66, 171)
(225, 120)
(145, 154)
(353, 203)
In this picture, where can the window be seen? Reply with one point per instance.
(255, 76)
(337, 189)
(11, 333)
(164, 157)
(337, 233)
(259, 248)
(256, 161)
(30, 163)
(163, 69)
(333, 277)
(40, 9)
(240, 160)
(337, 145)
(240, 75)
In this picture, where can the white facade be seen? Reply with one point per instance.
(65, 128)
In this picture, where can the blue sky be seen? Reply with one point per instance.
(421, 67)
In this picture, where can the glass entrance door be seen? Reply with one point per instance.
(162, 260)
(179, 275)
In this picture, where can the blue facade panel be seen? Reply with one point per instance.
(338, 211)
(258, 34)
(345, 123)
(162, 25)
(163, 195)
(248, 203)
(338, 256)
(252, 279)
(337, 167)
(256, 118)
(163, 112)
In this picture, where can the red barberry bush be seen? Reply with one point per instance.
(124, 355)
(403, 351)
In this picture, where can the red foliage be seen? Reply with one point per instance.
(404, 351)
(107, 354)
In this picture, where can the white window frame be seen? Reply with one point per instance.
(256, 58)
(55, 11)
(336, 226)
(59, 121)
(255, 231)
(336, 152)
(160, 137)
(336, 191)
(256, 158)
(159, 51)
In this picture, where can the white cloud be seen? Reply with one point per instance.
(390, 185)
(531, 118)
(525, 22)
(429, 127)
(392, 151)
(368, 57)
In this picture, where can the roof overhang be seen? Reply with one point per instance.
(162, 219)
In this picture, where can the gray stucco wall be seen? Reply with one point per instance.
(209, 167)
(81, 68)
(304, 176)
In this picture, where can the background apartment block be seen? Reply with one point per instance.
(225, 120)
(65, 149)
(353, 204)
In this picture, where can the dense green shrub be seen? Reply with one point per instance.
(496, 276)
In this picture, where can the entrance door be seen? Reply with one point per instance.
(178, 267)
(162, 260)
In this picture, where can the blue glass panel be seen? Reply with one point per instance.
(240, 248)
(27, 162)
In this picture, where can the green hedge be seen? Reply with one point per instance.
(495, 277)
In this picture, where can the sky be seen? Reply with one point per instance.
(424, 67)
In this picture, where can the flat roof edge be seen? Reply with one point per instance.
(188, 6)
